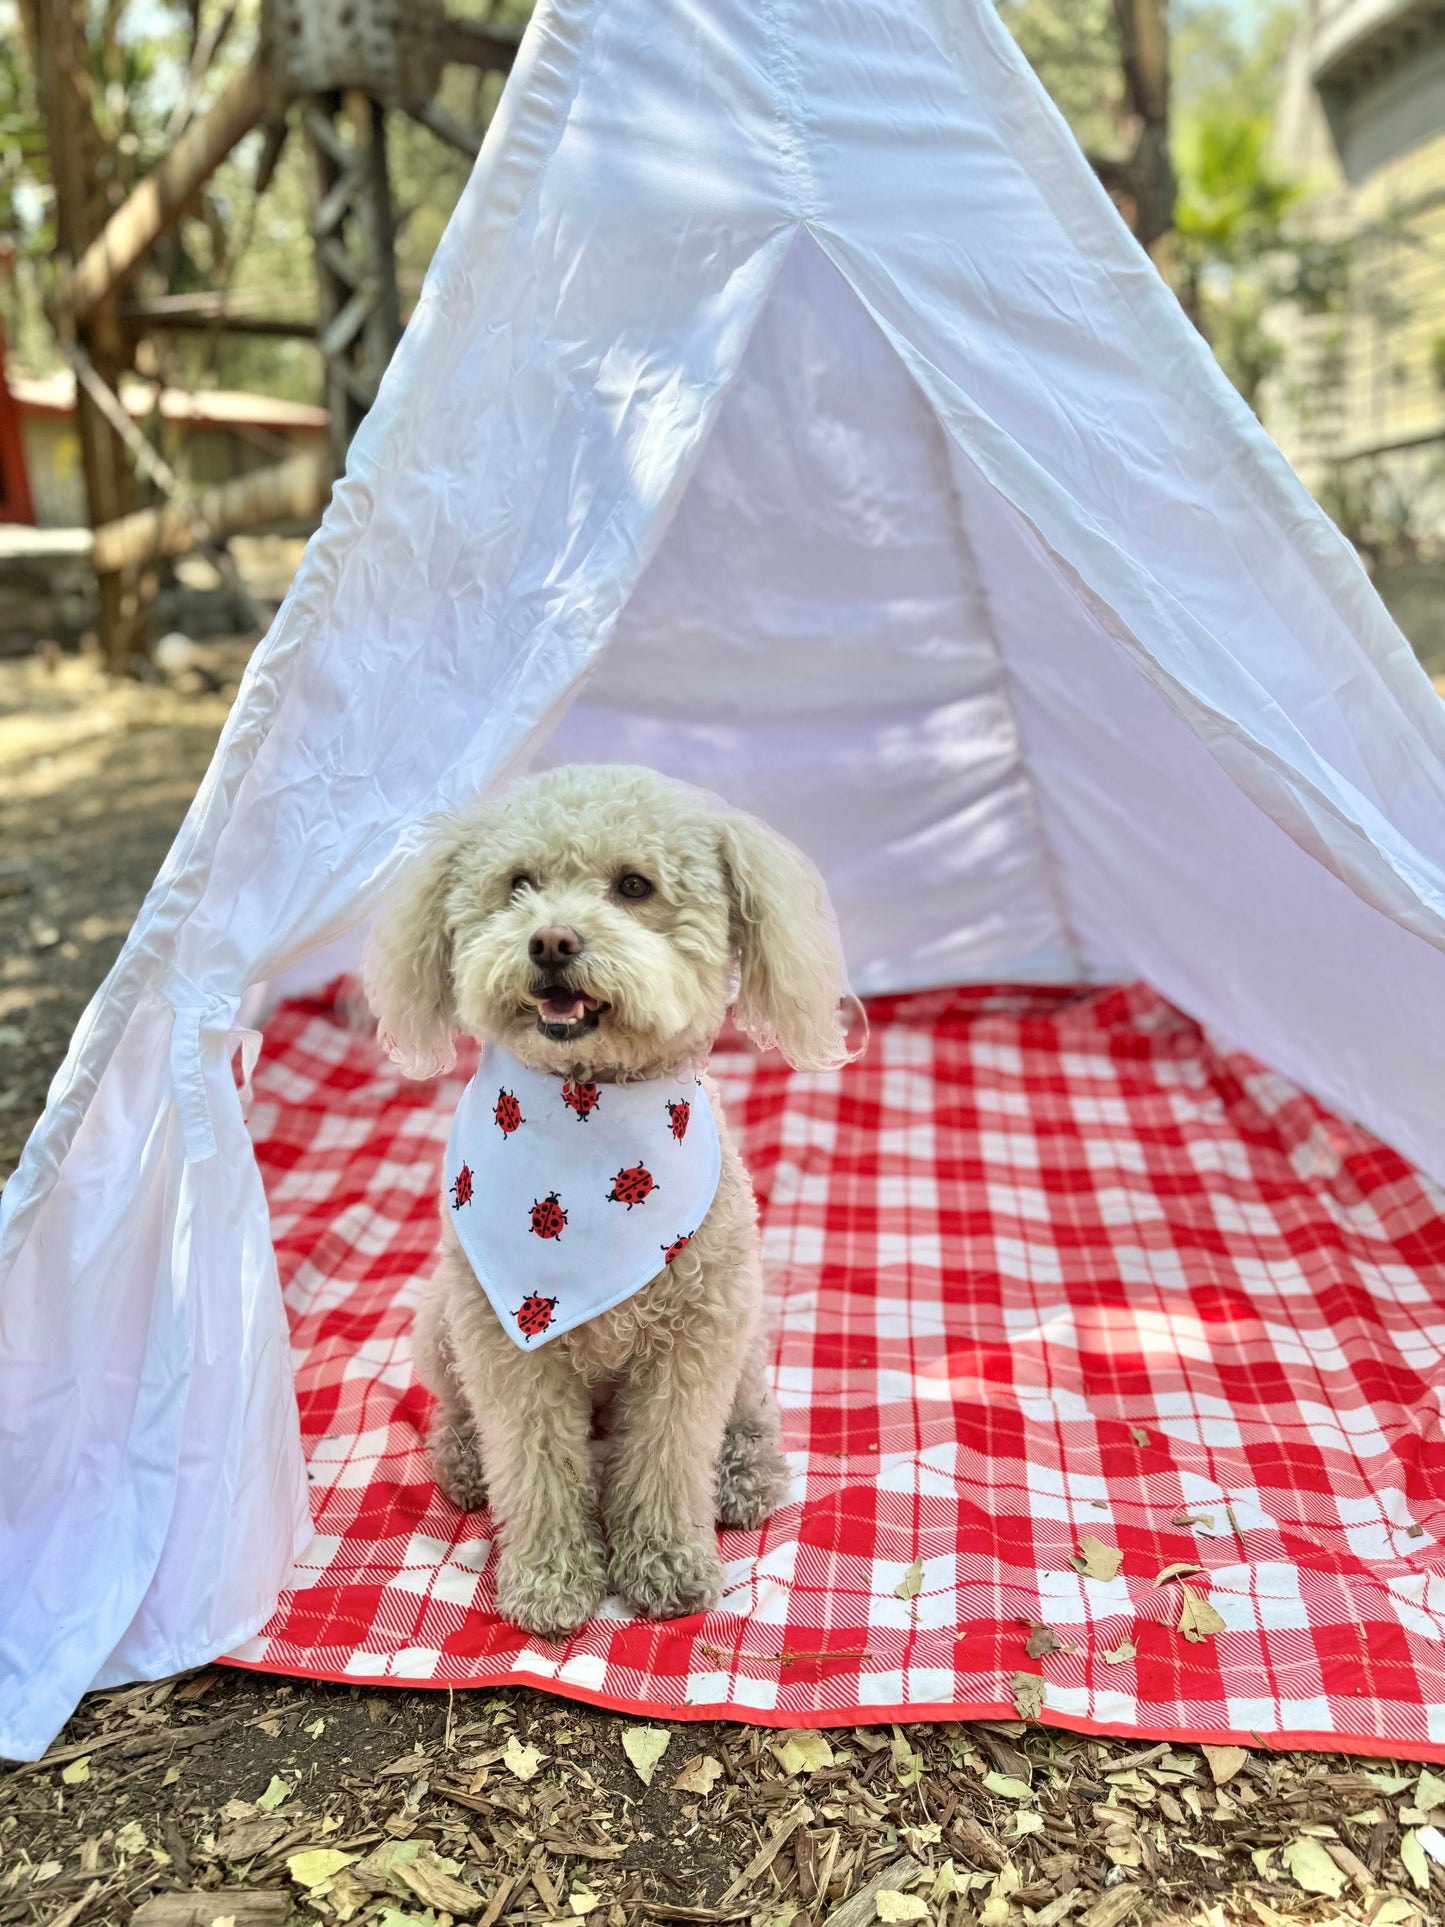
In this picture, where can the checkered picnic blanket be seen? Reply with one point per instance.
(1046, 1265)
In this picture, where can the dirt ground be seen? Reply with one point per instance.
(244, 1800)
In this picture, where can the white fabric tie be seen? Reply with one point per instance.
(569, 1197)
(196, 1013)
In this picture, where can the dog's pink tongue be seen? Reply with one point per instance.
(566, 1007)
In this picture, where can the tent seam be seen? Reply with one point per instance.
(1047, 857)
(784, 81)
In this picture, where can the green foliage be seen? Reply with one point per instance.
(1073, 47)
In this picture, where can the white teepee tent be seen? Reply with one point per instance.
(786, 407)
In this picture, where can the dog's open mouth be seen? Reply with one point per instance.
(564, 1013)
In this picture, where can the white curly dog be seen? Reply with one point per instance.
(598, 924)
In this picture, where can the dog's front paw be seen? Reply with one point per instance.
(551, 1593)
(456, 1462)
(752, 1474)
(667, 1578)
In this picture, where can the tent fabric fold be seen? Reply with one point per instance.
(786, 406)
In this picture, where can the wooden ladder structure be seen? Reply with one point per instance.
(99, 318)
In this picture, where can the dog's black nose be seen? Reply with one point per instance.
(557, 944)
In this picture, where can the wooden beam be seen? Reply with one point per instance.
(289, 491)
(157, 202)
(471, 44)
(435, 118)
(210, 311)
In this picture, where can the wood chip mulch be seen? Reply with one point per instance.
(228, 1799)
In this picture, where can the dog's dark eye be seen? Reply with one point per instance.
(521, 881)
(633, 886)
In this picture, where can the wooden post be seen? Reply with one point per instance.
(57, 32)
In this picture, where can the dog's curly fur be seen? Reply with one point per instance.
(736, 916)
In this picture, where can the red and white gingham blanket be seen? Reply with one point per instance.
(1046, 1264)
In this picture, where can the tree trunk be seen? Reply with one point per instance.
(57, 34)
(1147, 177)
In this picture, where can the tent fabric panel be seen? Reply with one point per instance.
(1091, 401)
(149, 1421)
(1161, 855)
(527, 447)
(812, 641)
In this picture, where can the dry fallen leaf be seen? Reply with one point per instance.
(77, 1773)
(1429, 1790)
(1095, 1560)
(317, 1865)
(1125, 1650)
(1177, 1571)
(907, 1765)
(523, 1761)
(130, 1838)
(275, 1795)
(582, 1900)
(1416, 1865)
(1312, 1868)
(1138, 1434)
(1042, 1641)
(911, 1584)
(1007, 1787)
(804, 1752)
(1390, 1783)
(700, 1775)
(1224, 1762)
(1198, 1620)
(1184, 1520)
(896, 1906)
(1027, 1690)
(645, 1746)
(1026, 1822)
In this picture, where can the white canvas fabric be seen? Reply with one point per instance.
(567, 1197)
(786, 406)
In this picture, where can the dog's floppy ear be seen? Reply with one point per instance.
(791, 964)
(408, 966)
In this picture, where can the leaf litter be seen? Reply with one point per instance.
(519, 1811)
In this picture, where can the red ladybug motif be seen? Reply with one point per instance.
(679, 1111)
(462, 1188)
(581, 1098)
(548, 1217)
(534, 1314)
(679, 1243)
(508, 1113)
(632, 1186)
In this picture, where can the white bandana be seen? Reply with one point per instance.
(568, 1198)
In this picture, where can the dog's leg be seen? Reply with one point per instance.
(452, 1443)
(530, 1413)
(752, 1474)
(533, 1415)
(455, 1452)
(669, 1416)
(658, 1497)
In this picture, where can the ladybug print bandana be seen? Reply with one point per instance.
(569, 1198)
